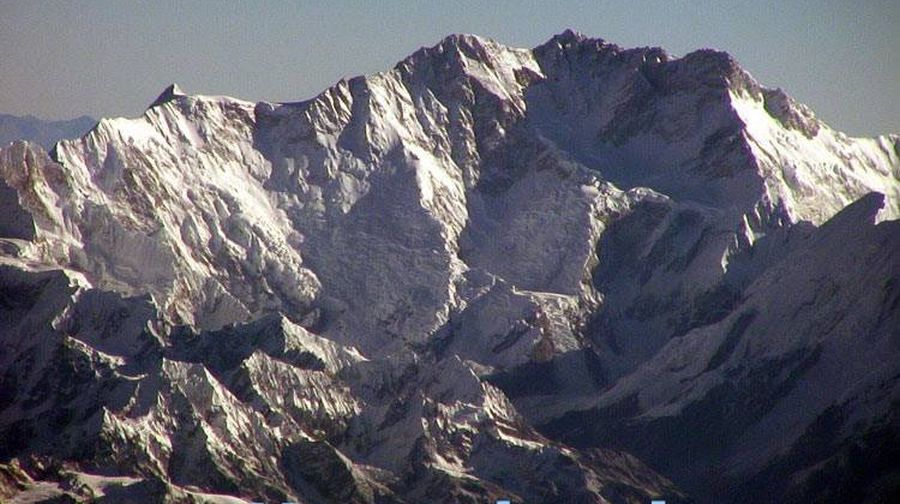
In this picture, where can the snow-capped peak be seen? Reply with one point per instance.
(171, 92)
(354, 267)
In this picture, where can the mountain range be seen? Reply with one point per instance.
(41, 132)
(573, 273)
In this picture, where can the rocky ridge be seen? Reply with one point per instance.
(376, 294)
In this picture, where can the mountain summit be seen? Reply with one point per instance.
(574, 273)
(168, 94)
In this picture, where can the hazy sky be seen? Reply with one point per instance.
(112, 57)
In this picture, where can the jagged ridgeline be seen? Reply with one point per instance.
(574, 273)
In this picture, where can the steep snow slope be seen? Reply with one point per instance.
(813, 341)
(263, 411)
(428, 171)
(552, 221)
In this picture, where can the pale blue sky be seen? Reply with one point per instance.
(111, 58)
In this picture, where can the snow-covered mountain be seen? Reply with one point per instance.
(486, 272)
(41, 132)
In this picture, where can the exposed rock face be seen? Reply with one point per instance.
(805, 361)
(265, 410)
(376, 294)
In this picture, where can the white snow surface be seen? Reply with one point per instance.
(334, 280)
